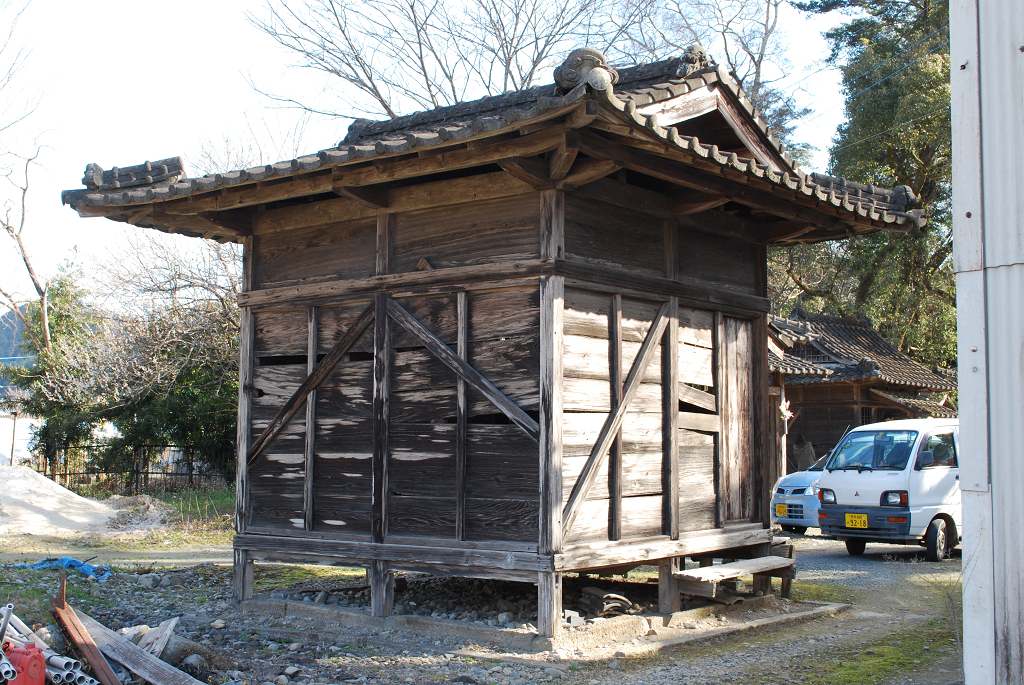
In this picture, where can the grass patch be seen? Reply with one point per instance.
(29, 590)
(274, 576)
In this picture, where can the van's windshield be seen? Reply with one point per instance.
(874, 450)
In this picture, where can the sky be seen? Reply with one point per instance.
(121, 82)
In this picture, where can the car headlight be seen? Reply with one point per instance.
(826, 496)
(813, 490)
(894, 498)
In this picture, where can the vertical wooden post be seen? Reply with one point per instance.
(763, 468)
(552, 302)
(462, 407)
(242, 575)
(668, 587)
(311, 347)
(615, 452)
(718, 371)
(382, 589)
(385, 227)
(245, 377)
(381, 417)
(549, 603)
(670, 423)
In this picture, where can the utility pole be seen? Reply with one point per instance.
(14, 433)
(987, 75)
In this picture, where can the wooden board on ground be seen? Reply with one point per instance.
(155, 641)
(703, 582)
(137, 660)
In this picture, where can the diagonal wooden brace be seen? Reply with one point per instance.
(462, 368)
(613, 422)
(319, 374)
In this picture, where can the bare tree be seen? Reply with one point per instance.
(265, 139)
(742, 35)
(403, 55)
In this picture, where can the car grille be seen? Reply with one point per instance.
(781, 491)
(794, 511)
(799, 491)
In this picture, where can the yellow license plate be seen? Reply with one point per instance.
(780, 509)
(856, 520)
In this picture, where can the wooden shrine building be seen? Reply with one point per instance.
(840, 373)
(513, 337)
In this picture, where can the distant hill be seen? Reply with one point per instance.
(10, 344)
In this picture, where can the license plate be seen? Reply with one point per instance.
(856, 520)
(780, 509)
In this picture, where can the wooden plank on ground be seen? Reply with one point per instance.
(155, 641)
(704, 582)
(80, 635)
(138, 661)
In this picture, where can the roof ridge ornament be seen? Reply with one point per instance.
(585, 65)
(694, 58)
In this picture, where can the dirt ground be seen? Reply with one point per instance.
(898, 628)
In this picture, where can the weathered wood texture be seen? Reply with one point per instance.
(738, 413)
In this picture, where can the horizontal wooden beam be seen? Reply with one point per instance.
(381, 170)
(611, 426)
(698, 398)
(312, 382)
(598, 554)
(684, 174)
(370, 197)
(709, 423)
(432, 551)
(491, 186)
(463, 370)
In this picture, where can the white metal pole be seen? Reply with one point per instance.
(987, 74)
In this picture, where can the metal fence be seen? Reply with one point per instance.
(137, 483)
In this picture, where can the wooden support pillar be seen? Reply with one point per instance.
(668, 587)
(552, 303)
(615, 452)
(381, 418)
(382, 589)
(763, 470)
(762, 582)
(462, 410)
(549, 603)
(670, 423)
(311, 347)
(242, 576)
(245, 376)
(718, 376)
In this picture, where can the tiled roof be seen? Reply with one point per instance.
(919, 405)
(862, 353)
(794, 366)
(637, 86)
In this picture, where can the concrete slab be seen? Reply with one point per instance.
(631, 635)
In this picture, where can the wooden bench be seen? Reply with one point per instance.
(703, 582)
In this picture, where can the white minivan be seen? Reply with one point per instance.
(896, 482)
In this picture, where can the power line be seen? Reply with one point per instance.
(878, 82)
(880, 133)
(888, 30)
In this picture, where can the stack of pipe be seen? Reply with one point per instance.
(59, 669)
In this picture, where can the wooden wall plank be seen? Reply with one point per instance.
(641, 518)
(670, 422)
(283, 332)
(343, 250)
(615, 465)
(697, 503)
(594, 233)
(738, 428)
(480, 233)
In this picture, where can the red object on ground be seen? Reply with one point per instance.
(30, 664)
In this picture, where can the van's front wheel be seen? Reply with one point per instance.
(855, 546)
(935, 541)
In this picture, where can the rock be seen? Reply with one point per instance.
(321, 597)
(173, 580)
(277, 594)
(281, 680)
(149, 581)
(292, 671)
(195, 663)
(164, 582)
(504, 617)
(234, 675)
(44, 635)
(295, 646)
(613, 664)
(553, 673)
(218, 624)
(618, 655)
(690, 625)
(504, 605)
(274, 647)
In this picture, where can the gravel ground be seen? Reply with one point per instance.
(260, 652)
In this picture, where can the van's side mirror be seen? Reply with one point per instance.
(926, 458)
